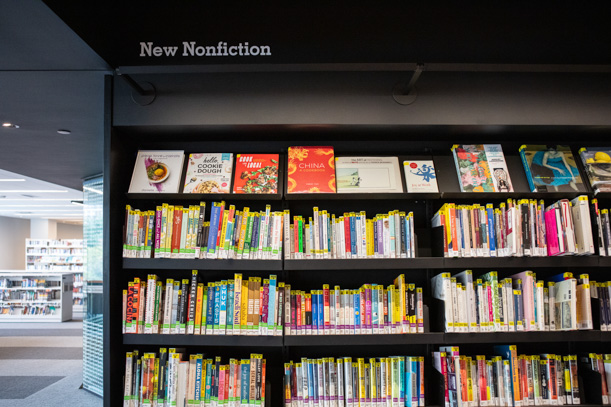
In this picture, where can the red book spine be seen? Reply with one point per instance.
(176, 229)
(298, 310)
(347, 232)
(327, 307)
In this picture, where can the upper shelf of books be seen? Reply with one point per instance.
(467, 171)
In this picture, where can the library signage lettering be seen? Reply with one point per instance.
(193, 49)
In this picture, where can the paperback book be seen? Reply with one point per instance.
(311, 170)
(368, 174)
(597, 163)
(157, 172)
(481, 168)
(256, 174)
(208, 173)
(551, 169)
(420, 176)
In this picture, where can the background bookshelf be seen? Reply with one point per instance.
(64, 255)
(30, 296)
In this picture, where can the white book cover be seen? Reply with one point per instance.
(157, 172)
(420, 176)
(498, 168)
(368, 174)
(208, 173)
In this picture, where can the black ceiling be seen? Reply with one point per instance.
(50, 79)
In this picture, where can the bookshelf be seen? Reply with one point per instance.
(310, 274)
(30, 296)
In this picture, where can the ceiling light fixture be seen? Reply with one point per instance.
(7, 124)
(77, 202)
(64, 131)
(12, 180)
(51, 191)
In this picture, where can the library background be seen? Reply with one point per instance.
(373, 205)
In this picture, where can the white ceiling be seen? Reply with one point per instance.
(30, 198)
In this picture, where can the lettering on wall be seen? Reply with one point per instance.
(149, 49)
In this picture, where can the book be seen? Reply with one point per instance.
(420, 176)
(367, 174)
(481, 168)
(597, 164)
(157, 172)
(311, 170)
(256, 174)
(208, 173)
(551, 168)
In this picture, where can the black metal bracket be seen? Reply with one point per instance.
(406, 93)
(142, 94)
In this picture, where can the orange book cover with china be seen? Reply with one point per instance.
(311, 170)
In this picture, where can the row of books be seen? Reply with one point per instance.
(27, 309)
(522, 227)
(344, 382)
(601, 291)
(167, 378)
(602, 224)
(351, 236)
(229, 307)
(517, 303)
(507, 379)
(173, 231)
(312, 169)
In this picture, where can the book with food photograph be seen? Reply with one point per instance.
(256, 174)
(157, 172)
(208, 173)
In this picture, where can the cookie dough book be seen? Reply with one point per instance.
(256, 174)
(157, 172)
(208, 173)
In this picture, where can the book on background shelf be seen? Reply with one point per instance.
(347, 381)
(481, 168)
(551, 168)
(370, 309)
(311, 169)
(171, 377)
(597, 164)
(368, 174)
(518, 303)
(420, 176)
(517, 227)
(256, 174)
(208, 173)
(350, 236)
(157, 172)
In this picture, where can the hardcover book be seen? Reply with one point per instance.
(481, 168)
(597, 162)
(368, 174)
(157, 172)
(256, 174)
(208, 173)
(420, 176)
(311, 170)
(551, 169)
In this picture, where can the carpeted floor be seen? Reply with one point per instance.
(41, 365)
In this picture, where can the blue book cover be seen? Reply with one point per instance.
(223, 308)
(314, 310)
(329, 234)
(529, 176)
(217, 306)
(321, 310)
(210, 310)
(414, 383)
(208, 388)
(245, 383)
(408, 372)
(491, 229)
(375, 237)
(254, 240)
(230, 298)
(215, 213)
(271, 309)
(198, 378)
(374, 306)
(402, 380)
(353, 235)
(560, 277)
(310, 373)
(357, 309)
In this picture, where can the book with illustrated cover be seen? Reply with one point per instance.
(551, 169)
(311, 170)
(420, 176)
(597, 162)
(481, 168)
(208, 173)
(157, 172)
(256, 174)
(368, 174)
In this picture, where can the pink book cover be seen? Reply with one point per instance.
(368, 322)
(265, 304)
(551, 233)
(222, 386)
(490, 306)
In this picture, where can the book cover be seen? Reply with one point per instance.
(420, 176)
(208, 173)
(481, 168)
(368, 174)
(597, 163)
(551, 168)
(311, 170)
(157, 172)
(256, 174)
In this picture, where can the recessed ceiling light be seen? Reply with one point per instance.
(7, 124)
(11, 179)
(64, 131)
(76, 202)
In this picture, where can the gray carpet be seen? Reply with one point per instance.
(20, 387)
(40, 332)
(41, 353)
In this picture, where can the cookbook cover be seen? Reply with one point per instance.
(208, 173)
(311, 170)
(157, 172)
(256, 174)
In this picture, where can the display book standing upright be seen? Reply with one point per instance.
(271, 347)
